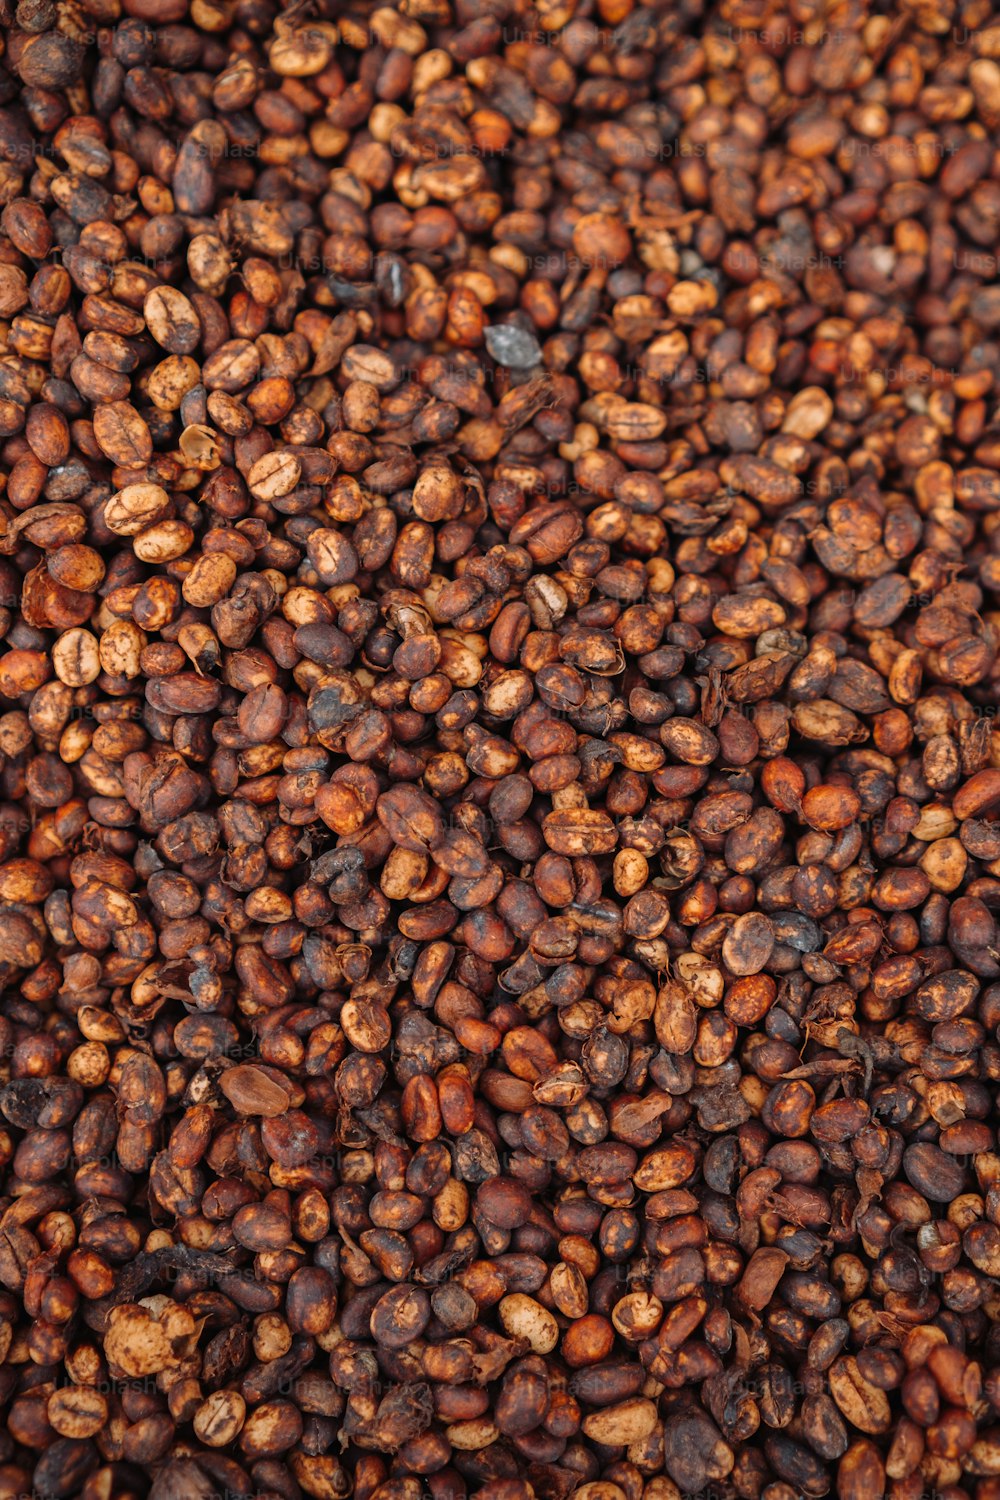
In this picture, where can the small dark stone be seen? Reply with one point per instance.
(512, 346)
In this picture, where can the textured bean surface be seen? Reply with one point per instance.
(499, 798)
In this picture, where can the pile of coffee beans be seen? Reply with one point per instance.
(499, 788)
